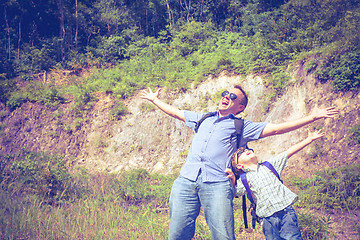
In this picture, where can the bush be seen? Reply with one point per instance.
(331, 188)
(343, 69)
(313, 228)
(118, 110)
(43, 175)
(51, 97)
(279, 81)
(111, 49)
(35, 59)
(15, 100)
(6, 87)
(355, 133)
(81, 98)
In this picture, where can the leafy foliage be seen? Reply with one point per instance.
(43, 175)
(343, 69)
(331, 188)
(355, 133)
(137, 44)
(118, 110)
(314, 228)
(6, 87)
(49, 96)
(38, 190)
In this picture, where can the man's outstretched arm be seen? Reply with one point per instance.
(317, 113)
(168, 109)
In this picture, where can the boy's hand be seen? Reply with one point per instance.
(150, 95)
(311, 137)
(315, 135)
(231, 176)
(318, 113)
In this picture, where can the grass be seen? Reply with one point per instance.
(330, 189)
(132, 204)
(88, 219)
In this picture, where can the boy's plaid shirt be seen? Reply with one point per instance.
(269, 194)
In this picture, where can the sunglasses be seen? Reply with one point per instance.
(243, 150)
(232, 95)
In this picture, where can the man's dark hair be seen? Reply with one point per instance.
(244, 99)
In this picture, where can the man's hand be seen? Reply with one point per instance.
(149, 95)
(166, 108)
(231, 176)
(318, 113)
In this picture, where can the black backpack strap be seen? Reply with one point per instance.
(197, 125)
(248, 191)
(244, 211)
(255, 218)
(239, 125)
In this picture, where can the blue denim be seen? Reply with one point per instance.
(282, 225)
(216, 199)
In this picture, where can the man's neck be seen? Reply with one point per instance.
(222, 114)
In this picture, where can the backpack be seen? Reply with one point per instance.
(239, 124)
(252, 208)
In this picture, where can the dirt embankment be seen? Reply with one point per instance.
(147, 138)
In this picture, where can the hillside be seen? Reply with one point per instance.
(147, 138)
(70, 74)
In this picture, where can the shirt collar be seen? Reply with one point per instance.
(231, 116)
(246, 170)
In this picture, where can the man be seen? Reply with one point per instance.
(203, 181)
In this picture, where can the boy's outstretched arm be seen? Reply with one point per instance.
(312, 136)
(317, 113)
(168, 109)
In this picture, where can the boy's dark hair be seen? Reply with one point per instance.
(244, 99)
(234, 162)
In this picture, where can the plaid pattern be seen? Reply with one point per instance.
(269, 194)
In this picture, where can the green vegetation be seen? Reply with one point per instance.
(355, 133)
(343, 69)
(118, 110)
(331, 189)
(42, 198)
(129, 45)
(313, 227)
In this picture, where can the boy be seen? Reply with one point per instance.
(273, 200)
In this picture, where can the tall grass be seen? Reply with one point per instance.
(127, 205)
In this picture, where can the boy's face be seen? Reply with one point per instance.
(245, 158)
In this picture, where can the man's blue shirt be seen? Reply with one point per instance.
(213, 145)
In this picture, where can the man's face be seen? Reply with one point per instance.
(228, 104)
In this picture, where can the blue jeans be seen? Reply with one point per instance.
(282, 225)
(216, 199)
